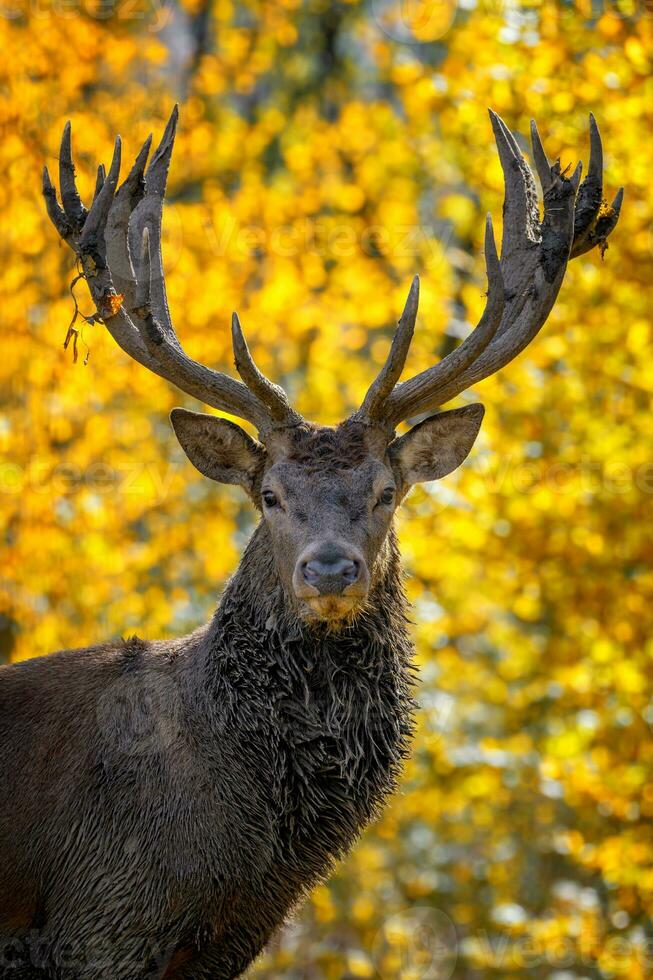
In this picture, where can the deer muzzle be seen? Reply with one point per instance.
(332, 577)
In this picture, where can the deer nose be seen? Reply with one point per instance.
(329, 570)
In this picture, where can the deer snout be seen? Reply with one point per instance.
(330, 576)
(330, 569)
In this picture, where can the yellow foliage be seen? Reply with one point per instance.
(326, 153)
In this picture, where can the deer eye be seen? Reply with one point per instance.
(386, 497)
(270, 499)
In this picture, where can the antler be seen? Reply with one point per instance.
(118, 243)
(522, 287)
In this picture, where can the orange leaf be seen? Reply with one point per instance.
(111, 304)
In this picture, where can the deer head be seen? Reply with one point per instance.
(328, 495)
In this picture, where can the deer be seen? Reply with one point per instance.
(167, 805)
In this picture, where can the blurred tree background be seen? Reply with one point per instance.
(328, 151)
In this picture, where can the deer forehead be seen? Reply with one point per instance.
(344, 486)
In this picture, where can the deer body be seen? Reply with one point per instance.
(166, 804)
(217, 779)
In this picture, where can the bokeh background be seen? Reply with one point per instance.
(328, 151)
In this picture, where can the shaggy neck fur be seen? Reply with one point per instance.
(326, 714)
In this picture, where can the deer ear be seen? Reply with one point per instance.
(218, 448)
(437, 445)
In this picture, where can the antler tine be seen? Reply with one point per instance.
(524, 285)
(87, 238)
(56, 213)
(594, 220)
(149, 211)
(92, 236)
(72, 202)
(521, 213)
(272, 396)
(381, 387)
(423, 392)
(99, 180)
(157, 172)
(116, 234)
(595, 169)
(142, 291)
(542, 164)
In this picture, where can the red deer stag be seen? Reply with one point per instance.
(277, 731)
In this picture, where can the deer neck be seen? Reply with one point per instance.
(329, 711)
